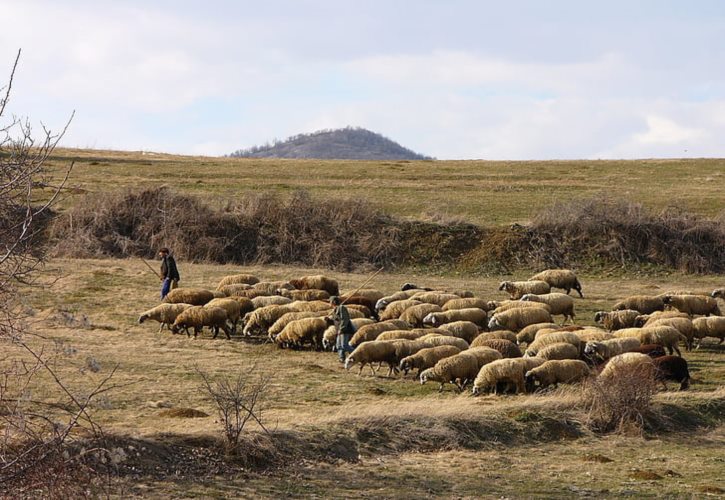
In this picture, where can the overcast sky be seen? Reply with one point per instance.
(454, 79)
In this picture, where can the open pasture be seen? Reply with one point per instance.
(536, 441)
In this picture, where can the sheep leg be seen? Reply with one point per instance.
(161, 326)
(226, 331)
(677, 350)
(440, 388)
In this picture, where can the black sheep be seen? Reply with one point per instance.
(672, 368)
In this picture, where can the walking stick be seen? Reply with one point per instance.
(152, 269)
(361, 286)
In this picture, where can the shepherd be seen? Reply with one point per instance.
(169, 272)
(343, 326)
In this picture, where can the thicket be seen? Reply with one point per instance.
(301, 230)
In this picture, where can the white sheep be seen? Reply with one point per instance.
(473, 315)
(165, 314)
(693, 304)
(198, 317)
(605, 349)
(559, 350)
(554, 372)
(517, 289)
(516, 319)
(504, 371)
(565, 279)
(616, 320)
(559, 303)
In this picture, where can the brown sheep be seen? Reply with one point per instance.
(560, 278)
(317, 282)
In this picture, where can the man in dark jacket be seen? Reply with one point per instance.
(343, 326)
(169, 273)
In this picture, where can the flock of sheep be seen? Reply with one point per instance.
(451, 336)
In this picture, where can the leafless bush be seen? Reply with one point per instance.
(620, 403)
(237, 399)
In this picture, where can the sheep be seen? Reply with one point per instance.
(718, 293)
(193, 296)
(426, 358)
(647, 319)
(465, 304)
(509, 371)
(165, 314)
(437, 298)
(433, 340)
(616, 320)
(245, 304)
(261, 319)
(517, 289)
(237, 279)
(559, 371)
(232, 308)
(329, 337)
(528, 334)
(412, 286)
(317, 282)
(683, 325)
(314, 305)
(250, 293)
(234, 289)
(458, 369)
(370, 294)
(666, 336)
(199, 317)
(560, 278)
(693, 304)
(558, 302)
(300, 331)
(269, 300)
(395, 309)
(593, 335)
(507, 305)
(558, 350)
(287, 318)
(474, 315)
(304, 294)
(651, 350)
(272, 287)
(414, 315)
(713, 326)
(359, 300)
(401, 334)
(384, 302)
(371, 332)
(516, 319)
(645, 304)
(552, 338)
(372, 352)
(498, 334)
(462, 329)
(507, 348)
(601, 351)
(672, 368)
(629, 363)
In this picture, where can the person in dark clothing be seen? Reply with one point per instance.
(343, 326)
(169, 272)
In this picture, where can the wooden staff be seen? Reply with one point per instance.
(361, 286)
(152, 269)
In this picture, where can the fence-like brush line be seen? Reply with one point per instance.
(347, 234)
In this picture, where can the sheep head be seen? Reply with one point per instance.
(599, 316)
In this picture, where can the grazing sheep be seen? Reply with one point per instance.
(465, 303)
(234, 289)
(683, 325)
(272, 287)
(629, 363)
(713, 326)
(370, 294)
(693, 304)
(383, 303)
(516, 319)
(287, 318)
(371, 332)
(412, 286)
(437, 298)
(528, 334)
(301, 331)
(269, 300)
(237, 279)
(433, 340)
(329, 337)
(401, 334)
(317, 282)
(484, 354)
(245, 304)
(165, 314)
(458, 369)
(593, 335)
(504, 371)
(232, 308)
(651, 350)
(718, 293)
(395, 309)
(371, 352)
(507, 305)
(238, 291)
(474, 315)
(360, 309)
(498, 334)
(517, 289)
(359, 300)
(199, 317)
(261, 319)
(461, 329)
(647, 319)
(427, 358)
(616, 320)
(601, 351)
(553, 338)
(560, 278)
(414, 315)
(193, 296)
(507, 348)
(559, 303)
(645, 304)
(666, 336)
(304, 294)
(559, 371)
(558, 350)
(672, 368)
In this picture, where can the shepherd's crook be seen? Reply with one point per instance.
(361, 286)
(152, 269)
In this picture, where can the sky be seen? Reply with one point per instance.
(453, 79)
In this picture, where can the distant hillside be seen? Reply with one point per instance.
(341, 144)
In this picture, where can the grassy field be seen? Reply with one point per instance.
(482, 192)
(406, 439)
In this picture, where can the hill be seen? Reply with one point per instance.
(350, 143)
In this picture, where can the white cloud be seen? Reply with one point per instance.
(662, 130)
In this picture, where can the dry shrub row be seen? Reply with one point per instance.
(266, 228)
